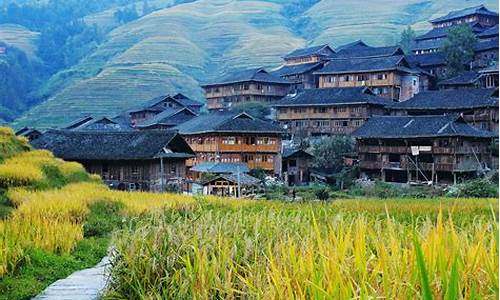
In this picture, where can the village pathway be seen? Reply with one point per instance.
(86, 284)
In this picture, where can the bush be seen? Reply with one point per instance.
(104, 217)
(477, 188)
(322, 194)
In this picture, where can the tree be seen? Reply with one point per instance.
(255, 109)
(458, 48)
(407, 37)
(330, 152)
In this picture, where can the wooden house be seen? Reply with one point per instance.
(328, 111)
(234, 137)
(309, 55)
(128, 160)
(433, 63)
(230, 185)
(483, 78)
(478, 107)
(476, 14)
(388, 76)
(255, 85)
(485, 53)
(300, 65)
(301, 76)
(29, 133)
(150, 109)
(433, 149)
(168, 118)
(296, 164)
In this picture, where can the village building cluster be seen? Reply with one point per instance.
(409, 124)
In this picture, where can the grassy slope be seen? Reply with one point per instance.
(168, 51)
(19, 37)
(377, 22)
(173, 49)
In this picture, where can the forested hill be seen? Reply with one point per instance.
(101, 56)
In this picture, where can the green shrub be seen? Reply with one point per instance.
(104, 217)
(322, 194)
(477, 188)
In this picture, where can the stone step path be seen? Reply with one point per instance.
(86, 284)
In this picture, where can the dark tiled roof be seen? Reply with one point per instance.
(27, 131)
(333, 96)
(450, 99)
(186, 101)
(296, 69)
(113, 145)
(489, 32)
(306, 51)
(292, 152)
(362, 65)
(480, 9)
(367, 52)
(493, 68)
(427, 60)
(465, 78)
(487, 45)
(255, 75)
(78, 122)
(227, 122)
(442, 32)
(244, 179)
(105, 123)
(426, 44)
(169, 117)
(392, 127)
(220, 168)
(356, 45)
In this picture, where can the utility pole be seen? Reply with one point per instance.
(239, 186)
(162, 173)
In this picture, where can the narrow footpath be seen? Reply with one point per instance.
(86, 284)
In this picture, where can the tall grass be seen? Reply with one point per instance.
(352, 249)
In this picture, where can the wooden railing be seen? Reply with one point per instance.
(249, 148)
(370, 164)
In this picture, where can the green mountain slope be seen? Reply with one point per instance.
(174, 49)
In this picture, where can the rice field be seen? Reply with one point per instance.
(183, 247)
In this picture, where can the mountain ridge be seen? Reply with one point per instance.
(176, 48)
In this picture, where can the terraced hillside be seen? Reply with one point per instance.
(19, 37)
(174, 49)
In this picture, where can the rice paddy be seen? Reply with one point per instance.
(181, 247)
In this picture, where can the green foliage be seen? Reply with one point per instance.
(385, 190)
(459, 48)
(258, 173)
(407, 37)
(42, 268)
(330, 152)
(424, 277)
(477, 188)
(126, 15)
(256, 109)
(322, 194)
(207, 176)
(104, 217)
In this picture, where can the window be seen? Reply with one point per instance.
(363, 77)
(292, 163)
(246, 87)
(382, 76)
(216, 90)
(321, 110)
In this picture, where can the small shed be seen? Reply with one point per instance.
(229, 184)
(295, 166)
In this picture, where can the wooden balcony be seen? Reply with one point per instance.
(374, 165)
(204, 147)
(369, 149)
(248, 148)
(393, 149)
(262, 165)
